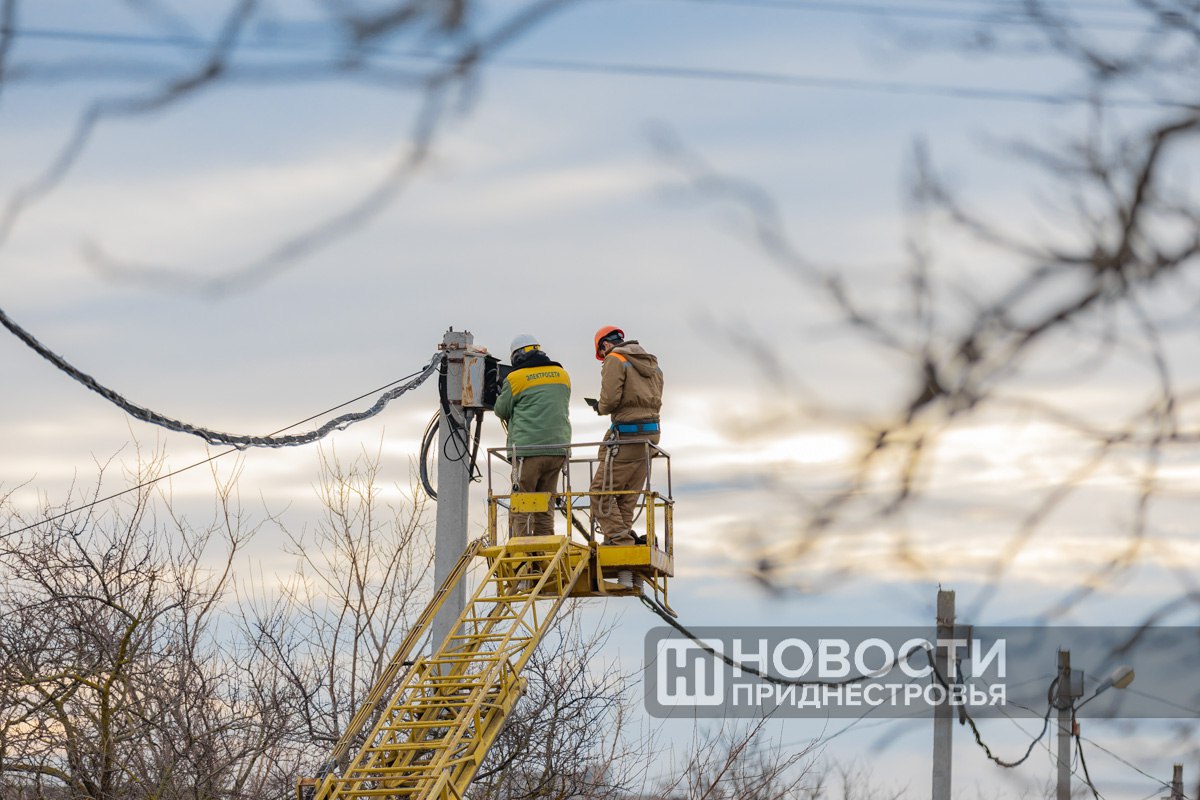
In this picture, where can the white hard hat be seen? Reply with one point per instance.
(522, 341)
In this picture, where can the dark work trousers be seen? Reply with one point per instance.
(535, 474)
(623, 466)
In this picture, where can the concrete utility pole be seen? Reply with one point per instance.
(453, 481)
(1064, 698)
(1177, 782)
(943, 718)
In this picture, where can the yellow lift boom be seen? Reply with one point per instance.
(428, 722)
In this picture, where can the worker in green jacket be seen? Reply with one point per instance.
(534, 402)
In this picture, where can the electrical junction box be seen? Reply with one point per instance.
(1076, 683)
(483, 376)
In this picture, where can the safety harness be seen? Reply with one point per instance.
(635, 427)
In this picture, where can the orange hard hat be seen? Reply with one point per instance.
(604, 333)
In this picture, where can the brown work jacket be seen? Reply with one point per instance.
(631, 384)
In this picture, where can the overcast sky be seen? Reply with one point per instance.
(546, 208)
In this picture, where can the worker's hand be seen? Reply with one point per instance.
(593, 402)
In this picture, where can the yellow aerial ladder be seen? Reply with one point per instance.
(430, 719)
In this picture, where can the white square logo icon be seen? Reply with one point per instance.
(688, 675)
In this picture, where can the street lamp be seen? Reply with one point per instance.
(1120, 678)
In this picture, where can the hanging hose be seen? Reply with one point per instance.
(427, 445)
(476, 473)
(427, 440)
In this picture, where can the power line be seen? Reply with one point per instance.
(210, 459)
(798, 80)
(1013, 719)
(854, 723)
(1163, 700)
(1087, 776)
(1078, 741)
(994, 16)
(966, 717)
(781, 79)
(661, 612)
(214, 437)
(711, 74)
(1152, 795)
(988, 750)
(656, 608)
(99, 37)
(1071, 5)
(1132, 766)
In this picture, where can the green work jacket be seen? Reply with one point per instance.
(535, 402)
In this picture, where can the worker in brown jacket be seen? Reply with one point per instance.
(631, 385)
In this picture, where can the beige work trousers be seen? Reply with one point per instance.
(622, 468)
(535, 474)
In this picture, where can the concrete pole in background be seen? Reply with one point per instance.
(453, 482)
(1064, 698)
(943, 719)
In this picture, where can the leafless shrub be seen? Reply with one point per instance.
(116, 682)
(133, 664)
(361, 579)
(739, 761)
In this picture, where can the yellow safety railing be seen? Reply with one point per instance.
(573, 502)
(650, 564)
